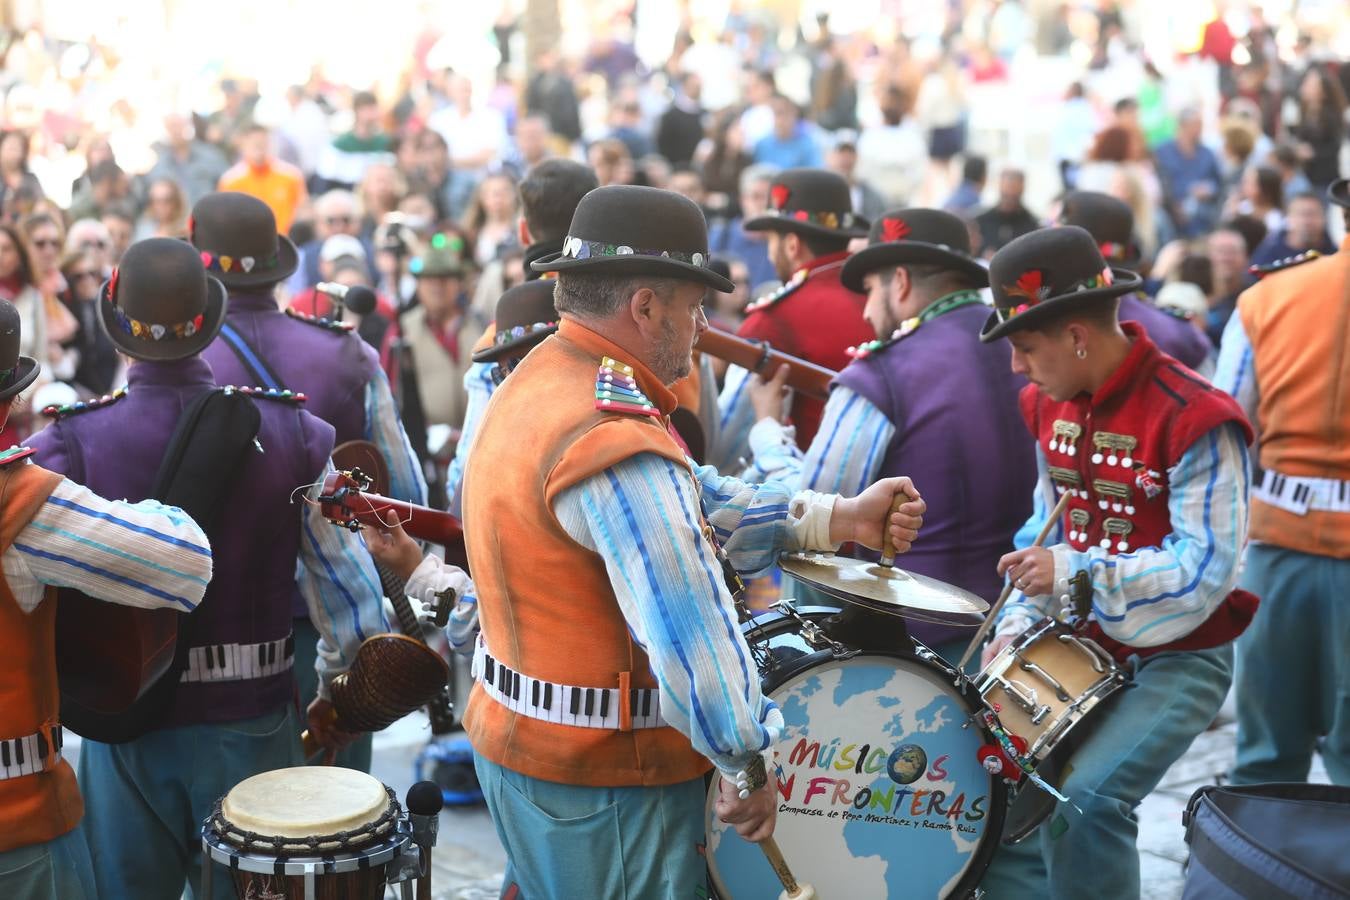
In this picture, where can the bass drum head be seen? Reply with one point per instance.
(881, 793)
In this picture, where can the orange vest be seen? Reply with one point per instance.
(45, 805)
(545, 602)
(1298, 322)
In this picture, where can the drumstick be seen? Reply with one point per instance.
(791, 889)
(988, 622)
(887, 544)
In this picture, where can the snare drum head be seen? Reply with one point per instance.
(304, 801)
(881, 793)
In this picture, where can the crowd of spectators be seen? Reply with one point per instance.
(364, 182)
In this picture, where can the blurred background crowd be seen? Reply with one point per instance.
(389, 139)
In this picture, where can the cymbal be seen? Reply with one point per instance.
(884, 589)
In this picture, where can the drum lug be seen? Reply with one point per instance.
(1096, 655)
(1029, 666)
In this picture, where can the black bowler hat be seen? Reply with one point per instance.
(159, 303)
(915, 236)
(1047, 273)
(1110, 222)
(16, 372)
(811, 202)
(1338, 192)
(238, 240)
(628, 230)
(525, 316)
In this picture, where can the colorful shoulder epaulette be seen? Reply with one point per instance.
(797, 280)
(295, 398)
(617, 391)
(1288, 262)
(73, 409)
(14, 454)
(871, 348)
(332, 325)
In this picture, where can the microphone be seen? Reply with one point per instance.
(424, 803)
(358, 298)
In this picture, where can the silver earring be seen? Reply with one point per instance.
(1082, 354)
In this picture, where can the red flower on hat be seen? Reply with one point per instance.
(894, 229)
(779, 194)
(206, 259)
(801, 215)
(1030, 285)
(112, 285)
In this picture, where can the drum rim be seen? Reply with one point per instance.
(340, 862)
(315, 845)
(991, 839)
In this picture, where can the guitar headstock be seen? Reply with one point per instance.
(339, 490)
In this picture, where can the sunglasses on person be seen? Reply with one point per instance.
(47, 243)
(337, 220)
(94, 244)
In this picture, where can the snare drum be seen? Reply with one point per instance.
(881, 792)
(1042, 686)
(309, 833)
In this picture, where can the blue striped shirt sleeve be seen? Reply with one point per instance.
(847, 452)
(142, 554)
(1234, 372)
(641, 516)
(384, 429)
(478, 387)
(1152, 595)
(341, 588)
(735, 418)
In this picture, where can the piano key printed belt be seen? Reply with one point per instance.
(30, 754)
(1298, 495)
(564, 704)
(239, 662)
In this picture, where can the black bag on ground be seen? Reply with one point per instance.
(1270, 841)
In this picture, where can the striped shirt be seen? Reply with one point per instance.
(1235, 372)
(384, 429)
(142, 554)
(845, 457)
(478, 388)
(1154, 595)
(735, 417)
(642, 517)
(341, 589)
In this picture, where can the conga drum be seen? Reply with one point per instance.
(308, 833)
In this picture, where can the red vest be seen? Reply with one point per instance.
(1114, 448)
(815, 317)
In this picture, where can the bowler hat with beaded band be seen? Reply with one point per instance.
(525, 316)
(1338, 192)
(159, 303)
(630, 230)
(16, 372)
(810, 202)
(1108, 220)
(916, 236)
(1047, 273)
(236, 235)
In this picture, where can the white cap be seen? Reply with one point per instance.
(1183, 297)
(340, 245)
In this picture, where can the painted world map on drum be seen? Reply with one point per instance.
(880, 794)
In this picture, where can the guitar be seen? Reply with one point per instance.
(346, 501)
(757, 356)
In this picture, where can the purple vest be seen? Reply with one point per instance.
(116, 450)
(1175, 337)
(330, 368)
(959, 434)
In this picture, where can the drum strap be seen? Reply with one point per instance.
(564, 704)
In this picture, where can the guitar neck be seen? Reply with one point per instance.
(422, 522)
(759, 357)
(396, 589)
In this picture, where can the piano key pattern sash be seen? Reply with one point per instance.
(563, 704)
(30, 754)
(239, 662)
(1298, 495)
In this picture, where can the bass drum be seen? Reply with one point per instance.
(881, 793)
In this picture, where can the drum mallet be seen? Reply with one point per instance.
(792, 890)
(988, 623)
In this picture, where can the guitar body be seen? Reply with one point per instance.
(112, 660)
